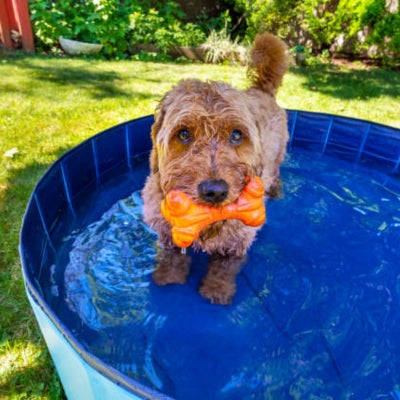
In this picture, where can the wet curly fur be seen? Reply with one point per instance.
(211, 132)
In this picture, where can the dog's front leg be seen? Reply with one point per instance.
(219, 285)
(172, 267)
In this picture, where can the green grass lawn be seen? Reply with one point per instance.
(48, 105)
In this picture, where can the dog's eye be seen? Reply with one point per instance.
(184, 136)
(236, 137)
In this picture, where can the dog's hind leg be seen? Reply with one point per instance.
(219, 284)
(173, 267)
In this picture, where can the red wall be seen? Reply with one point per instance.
(14, 15)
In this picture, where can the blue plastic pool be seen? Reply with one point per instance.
(317, 311)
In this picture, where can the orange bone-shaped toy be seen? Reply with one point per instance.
(189, 218)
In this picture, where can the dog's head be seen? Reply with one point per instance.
(205, 142)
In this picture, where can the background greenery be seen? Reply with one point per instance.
(115, 24)
(353, 27)
(50, 104)
(320, 22)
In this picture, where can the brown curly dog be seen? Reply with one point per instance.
(208, 138)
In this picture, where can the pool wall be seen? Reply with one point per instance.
(79, 378)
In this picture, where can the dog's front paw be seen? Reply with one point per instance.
(172, 268)
(218, 291)
(168, 274)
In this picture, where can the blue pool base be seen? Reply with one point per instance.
(305, 321)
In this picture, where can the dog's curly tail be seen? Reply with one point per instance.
(269, 62)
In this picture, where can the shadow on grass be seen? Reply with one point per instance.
(99, 83)
(350, 84)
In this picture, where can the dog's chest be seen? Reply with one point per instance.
(212, 231)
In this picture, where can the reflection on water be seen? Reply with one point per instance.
(112, 256)
(316, 315)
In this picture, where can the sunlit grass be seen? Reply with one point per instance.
(367, 94)
(48, 105)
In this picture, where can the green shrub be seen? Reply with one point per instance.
(324, 21)
(48, 22)
(164, 28)
(385, 26)
(318, 23)
(330, 18)
(276, 16)
(113, 23)
(93, 21)
(114, 26)
(222, 21)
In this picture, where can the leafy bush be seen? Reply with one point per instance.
(319, 23)
(113, 23)
(385, 26)
(331, 18)
(164, 28)
(274, 16)
(93, 21)
(324, 21)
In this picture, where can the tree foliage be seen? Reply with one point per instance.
(319, 23)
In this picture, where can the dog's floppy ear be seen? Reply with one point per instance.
(269, 62)
(159, 117)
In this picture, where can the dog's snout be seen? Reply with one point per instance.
(213, 190)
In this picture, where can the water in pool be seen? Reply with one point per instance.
(316, 314)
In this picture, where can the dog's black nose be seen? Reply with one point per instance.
(213, 190)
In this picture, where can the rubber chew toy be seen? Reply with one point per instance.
(189, 218)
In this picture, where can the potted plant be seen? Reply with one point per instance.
(299, 55)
